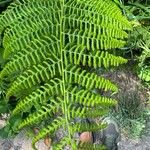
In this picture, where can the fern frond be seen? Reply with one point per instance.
(98, 9)
(96, 112)
(49, 48)
(62, 143)
(29, 57)
(99, 42)
(41, 114)
(40, 73)
(89, 146)
(18, 45)
(83, 127)
(79, 111)
(26, 10)
(97, 22)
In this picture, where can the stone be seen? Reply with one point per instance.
(86, 137)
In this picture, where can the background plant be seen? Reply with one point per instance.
(139, 42)
(131, 113)
(4, 107)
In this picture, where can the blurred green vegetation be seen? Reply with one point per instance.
(138, 47)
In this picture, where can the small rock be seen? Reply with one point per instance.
(7, 145)
(2, 123)
(48, 142)
(86, 137)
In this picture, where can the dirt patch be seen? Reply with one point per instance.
(127, 82)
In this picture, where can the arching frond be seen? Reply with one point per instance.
(40, 73)
(41, 114)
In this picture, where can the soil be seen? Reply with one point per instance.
(127, 82)
(20, 142)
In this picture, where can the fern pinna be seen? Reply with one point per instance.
(48, 47)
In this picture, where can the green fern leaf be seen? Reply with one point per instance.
(83, 127)
(89, 80)
(40, 114)
(40, 73)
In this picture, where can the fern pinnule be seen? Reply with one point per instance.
(62, 143)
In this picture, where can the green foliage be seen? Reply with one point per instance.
(131, 114)
(49, 48)
(4, 106)
(139, 41)
(144, 65)
(141, 45)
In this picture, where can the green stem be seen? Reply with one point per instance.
(65, 104)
